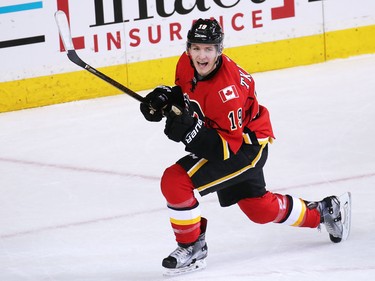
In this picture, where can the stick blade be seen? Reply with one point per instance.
(64, 30)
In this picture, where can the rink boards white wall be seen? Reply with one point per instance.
(138, 43)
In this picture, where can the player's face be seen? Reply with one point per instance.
(204, 57)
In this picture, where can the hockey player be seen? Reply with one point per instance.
(213, 110)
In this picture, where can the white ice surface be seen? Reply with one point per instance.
(80, 198)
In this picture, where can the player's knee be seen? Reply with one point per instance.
(167, 181)
(176, 185)
(260, 210)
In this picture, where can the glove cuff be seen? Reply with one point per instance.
(193, 132)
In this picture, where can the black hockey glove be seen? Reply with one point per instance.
(181, 126)
(159, 101)
(150, 114)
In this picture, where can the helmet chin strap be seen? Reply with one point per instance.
(217, 59)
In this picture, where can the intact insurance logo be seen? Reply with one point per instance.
(147, 11)
(19, 10)
(152, 33)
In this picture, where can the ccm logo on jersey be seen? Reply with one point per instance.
(228, 93)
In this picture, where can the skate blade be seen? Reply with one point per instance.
(198, 265)
(345, 209)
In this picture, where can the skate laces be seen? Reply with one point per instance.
(333, 208)
(181, 252)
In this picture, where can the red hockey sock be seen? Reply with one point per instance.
(184, 211)
(262, 209)
(273, 207)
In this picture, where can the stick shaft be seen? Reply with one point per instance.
(66, 37)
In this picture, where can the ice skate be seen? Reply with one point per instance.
(335, 215)
(187, 258)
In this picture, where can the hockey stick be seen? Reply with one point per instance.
(66, 37)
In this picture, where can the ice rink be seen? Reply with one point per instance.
(80, 197)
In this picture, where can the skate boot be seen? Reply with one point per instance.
(335, 214)
(329, 209)
(188, 257)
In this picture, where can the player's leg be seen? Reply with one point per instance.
(186, 221)
(283, 209)
(191, 172)
(183, 207)
(178, 184)
(332, 211)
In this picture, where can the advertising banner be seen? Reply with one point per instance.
(147, 33)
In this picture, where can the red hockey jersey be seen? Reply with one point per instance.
(225, 102)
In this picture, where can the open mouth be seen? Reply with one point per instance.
(202, 64)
